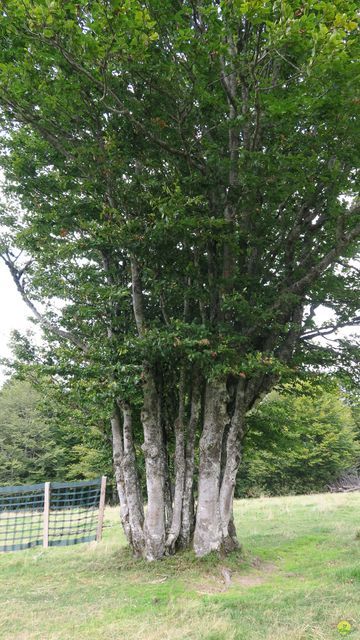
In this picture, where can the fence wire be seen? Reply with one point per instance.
(21, 517)
(73, 514)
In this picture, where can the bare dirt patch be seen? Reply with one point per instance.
(225, 578)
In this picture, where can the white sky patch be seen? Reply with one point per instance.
(14, 315)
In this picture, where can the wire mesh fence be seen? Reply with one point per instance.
(21, 517)
(51, 514)
(73, 512)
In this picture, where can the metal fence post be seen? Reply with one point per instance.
(46, 514)
(101, 509)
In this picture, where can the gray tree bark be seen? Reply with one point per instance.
(233, 457)
(208, 529)
(188, 515)
(153, 446)
(132, 487)
(154, 528)
(179, 467)
(118, 455)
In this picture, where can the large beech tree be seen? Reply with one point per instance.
(186, 178)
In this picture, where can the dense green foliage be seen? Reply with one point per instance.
(44, 436)
(30, 450)
(298, 444)
(116, 122)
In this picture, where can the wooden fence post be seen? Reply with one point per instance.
(101, 509)
(46, 514)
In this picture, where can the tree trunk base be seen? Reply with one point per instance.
(230, 544)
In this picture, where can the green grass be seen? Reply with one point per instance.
(297, 578)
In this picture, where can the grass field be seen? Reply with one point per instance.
(297, 578)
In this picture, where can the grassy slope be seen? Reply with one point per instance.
(298, 577)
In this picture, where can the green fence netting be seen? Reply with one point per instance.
(73, 512)
(21, 517)
(72, 517)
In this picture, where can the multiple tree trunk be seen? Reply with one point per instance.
(201, 494)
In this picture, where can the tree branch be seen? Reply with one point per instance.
(330, 329)
(300, 286)
(16, 276)
(137, 295)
